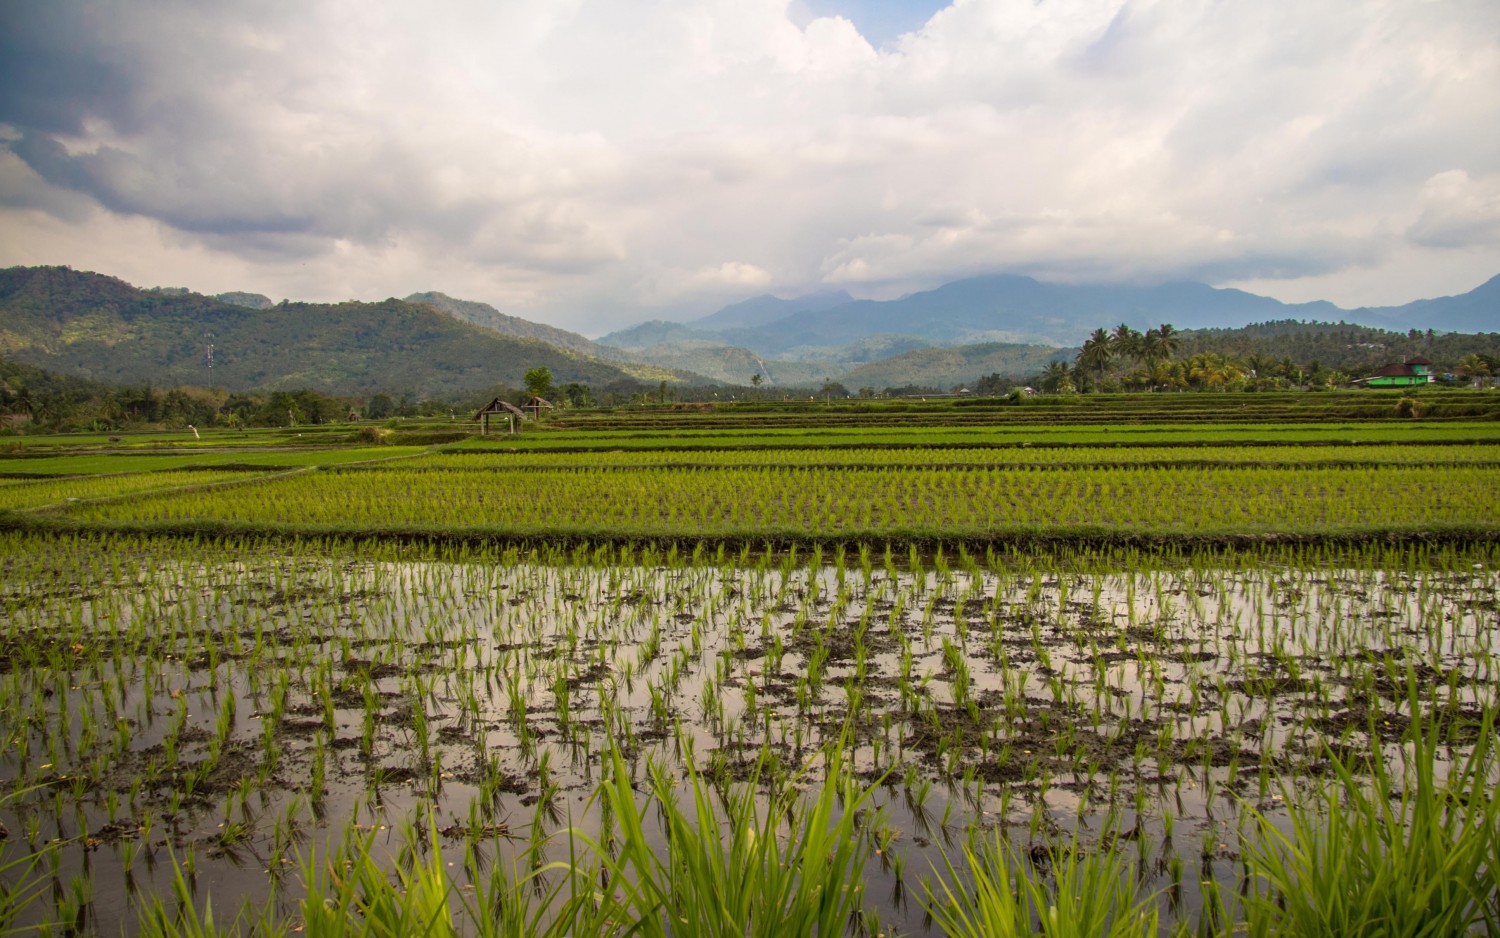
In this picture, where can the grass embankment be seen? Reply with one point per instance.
(872, 434)
(52, 464)
(1427, 404)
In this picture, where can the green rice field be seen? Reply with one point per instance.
(1193, 678)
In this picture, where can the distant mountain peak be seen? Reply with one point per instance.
(765, 309)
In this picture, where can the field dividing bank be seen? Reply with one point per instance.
(94, 479)
(959, 456)
(1428, 404)
(223, 458)
(971, 505)
(31, 495)
(1151, 743)
(628, 435)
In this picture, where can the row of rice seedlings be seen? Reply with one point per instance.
(1402, 853)
(25, 495)
(1015, 454)
(1025, 690)
(957, 502)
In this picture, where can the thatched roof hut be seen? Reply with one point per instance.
(502, 408)
(535, 405)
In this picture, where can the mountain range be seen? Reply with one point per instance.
(836, 331)
(93, 326)
(431, 344)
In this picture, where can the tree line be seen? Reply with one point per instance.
(35, 399)
(1266, 356)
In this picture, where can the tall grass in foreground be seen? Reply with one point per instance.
(1402, 854)
(1395, 853)
(738, 862)
(781, 865)
(1069, 894)
(1398, 853)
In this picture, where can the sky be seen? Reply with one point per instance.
(594, 163)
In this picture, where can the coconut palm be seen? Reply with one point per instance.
(1213, 371)
(1126, 342)
(1057, 377)
(1159, 344)
(1475, 368)
(1096, 354)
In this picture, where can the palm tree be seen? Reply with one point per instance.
(1096, 354)
(1213, 371)
(1159, 375)
(1158, 344)
(1126, 342)
(1057, 377)
(1474, 367)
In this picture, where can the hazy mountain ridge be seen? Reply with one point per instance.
(483, 314)
(1475, 311)
(765, 309)
(1018, 312)
(951, 366)
(1012, 309)
(654, 332)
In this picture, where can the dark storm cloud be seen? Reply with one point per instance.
(55, 72)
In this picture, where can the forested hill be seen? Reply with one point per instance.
(483, 314)
(99, 327)
(1341, 346)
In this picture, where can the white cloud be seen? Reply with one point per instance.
(588, 162)
(1458, 211)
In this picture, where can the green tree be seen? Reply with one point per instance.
(380, 407)
(578, 395)
(539, 381)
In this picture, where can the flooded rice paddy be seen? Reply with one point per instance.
(166, 706)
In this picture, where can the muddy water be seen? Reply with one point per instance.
(225, 716)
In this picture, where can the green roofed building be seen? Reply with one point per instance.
(1410, 373)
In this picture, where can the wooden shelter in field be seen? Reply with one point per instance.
(536, 404)
(499, 408)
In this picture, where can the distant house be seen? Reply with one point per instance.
(1411, 373)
